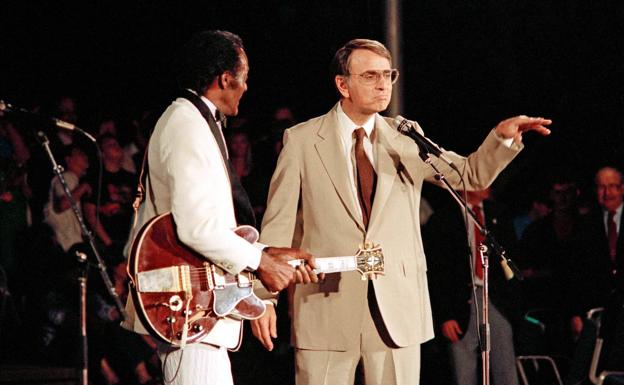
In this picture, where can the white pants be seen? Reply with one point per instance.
(196, 364)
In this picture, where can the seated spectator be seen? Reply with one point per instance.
(538, 208)
(58, 213)
(548, 252)
(597, 279)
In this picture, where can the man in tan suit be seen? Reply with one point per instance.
(343, 320)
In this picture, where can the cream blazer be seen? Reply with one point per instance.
(311, 176)
(188, 177)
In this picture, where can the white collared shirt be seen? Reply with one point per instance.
(213, 111)
(616, 217)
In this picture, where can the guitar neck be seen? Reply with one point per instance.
(331, 264)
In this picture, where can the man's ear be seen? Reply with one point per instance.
(222, 80)
(341, 85)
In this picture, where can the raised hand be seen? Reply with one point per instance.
(516, 126)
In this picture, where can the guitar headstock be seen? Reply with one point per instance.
(370, 261)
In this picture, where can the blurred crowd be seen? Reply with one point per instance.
(570, 260)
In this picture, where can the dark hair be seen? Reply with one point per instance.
(207, 55)
(71, 149)
(342, 58)
(102, 138)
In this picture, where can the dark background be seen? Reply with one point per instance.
(467, 64)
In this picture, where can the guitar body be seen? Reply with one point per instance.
(178, 294)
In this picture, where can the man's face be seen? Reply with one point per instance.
(77, 162)
(563, 195)
(235, 87)
(609, 189)
(359, 95)
(239, 145)
(111, 150)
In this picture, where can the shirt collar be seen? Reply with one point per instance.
(617, 213)
(211, 105)
(347, 125)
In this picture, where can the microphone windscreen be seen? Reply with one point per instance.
(401, 124)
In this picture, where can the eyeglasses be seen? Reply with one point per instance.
(611, 187)
(373, 77)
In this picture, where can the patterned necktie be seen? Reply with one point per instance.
(366, 176)
(612, 235)
(478, 238)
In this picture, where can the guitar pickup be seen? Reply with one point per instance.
(167, 279)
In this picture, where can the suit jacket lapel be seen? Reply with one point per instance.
(388, 149)
(331, 155)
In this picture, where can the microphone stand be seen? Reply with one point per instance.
(489, 245)
(84, 265)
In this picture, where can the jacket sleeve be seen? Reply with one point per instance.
(280, 217)
(201, 196)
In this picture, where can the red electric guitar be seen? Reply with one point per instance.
(178, 294)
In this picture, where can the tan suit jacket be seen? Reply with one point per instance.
(312, 175)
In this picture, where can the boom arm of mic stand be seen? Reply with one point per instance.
(494, 246)
(45, 143)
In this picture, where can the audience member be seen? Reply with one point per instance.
(14, 195)
(456, 282)
(537, 208)
(66, 111)
(58, 212)
(111, 221)
(597, 277)
(256, 184)
(140, 130)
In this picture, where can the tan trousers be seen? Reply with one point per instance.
(382, 365)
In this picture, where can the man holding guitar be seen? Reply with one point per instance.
(356, 182)
(187, 173)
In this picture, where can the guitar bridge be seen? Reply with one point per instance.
(245, 279)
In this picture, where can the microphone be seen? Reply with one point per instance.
(57, 122)
(426, 146)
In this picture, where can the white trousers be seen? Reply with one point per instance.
(196, 364)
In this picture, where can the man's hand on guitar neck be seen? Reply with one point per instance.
(276, 274)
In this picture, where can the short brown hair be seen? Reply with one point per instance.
(342, 58)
